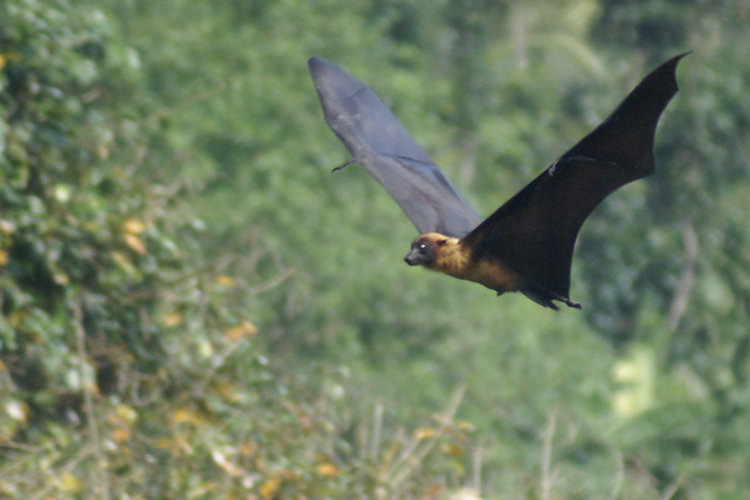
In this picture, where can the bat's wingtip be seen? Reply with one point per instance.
(672, 63)
(314, 61)
(676, 59)
(321, 67)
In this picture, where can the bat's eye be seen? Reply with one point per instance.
(422, 245)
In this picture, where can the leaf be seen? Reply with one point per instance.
(248, 448)
(240, 330)
(464, 425)
(69, 483)
(123, 263)
(453, 450)
(134, 226)
(182, 416)
(222, 462)
(135, 244)
(17, 410)
(227, 392)
(126, 413)
(424, 433)
(225, 280)
(327, 469)
(173, 318)
(270, 486)
(120, 434)
(7, 227)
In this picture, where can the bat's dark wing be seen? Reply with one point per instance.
(382, 145)
(535, 231)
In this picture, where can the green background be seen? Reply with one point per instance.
(193, 306)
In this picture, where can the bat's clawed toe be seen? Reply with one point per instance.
(547, 298)
(570, 303)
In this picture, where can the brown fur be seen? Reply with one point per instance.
(454, 258)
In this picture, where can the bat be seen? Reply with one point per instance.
(527, 244)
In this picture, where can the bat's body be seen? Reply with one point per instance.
(527, 244)
(456, 258)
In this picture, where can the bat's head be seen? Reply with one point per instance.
(427, 249)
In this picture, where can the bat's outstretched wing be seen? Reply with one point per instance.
(535, 231)
(377, 141)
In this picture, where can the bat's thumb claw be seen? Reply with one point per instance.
(347, 163)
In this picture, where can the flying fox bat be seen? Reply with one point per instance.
(527, 244)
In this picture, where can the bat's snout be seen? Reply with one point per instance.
(413, 258)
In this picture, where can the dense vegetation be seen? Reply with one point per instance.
(192, 306)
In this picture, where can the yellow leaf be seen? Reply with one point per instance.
(135, 244)
(69, 483)
(235, 333)
(91, 387)
(7, 227)
(15, 318)
(181, 444)
(163, 443)
(17, 410)
(250, 328)
(60, 277)
(225, 464)
(226, 392)
(134, 226)
(173, 318)
(126, 413)
(240, 330)
(453, 450)
(61, 193)
(465, 494)
(225, 280)
(463, 425)
(434, 490)
(247, 449)
(123, 262)
(327, 469)
(270, 487)
(181, 416)
(424, 433)
(3, 258)
(120, 434)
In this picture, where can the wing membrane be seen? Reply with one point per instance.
(535, 231)
(378, 141)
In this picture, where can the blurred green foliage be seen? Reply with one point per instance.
(194, 307)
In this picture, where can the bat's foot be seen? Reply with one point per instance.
(546, 298)
(570, 303)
